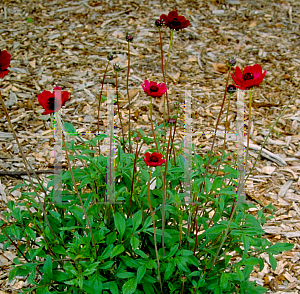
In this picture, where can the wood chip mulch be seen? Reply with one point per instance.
(65, 43)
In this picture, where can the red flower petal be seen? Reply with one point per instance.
(237, 81)
(238, 74)
(4, 60)
(172, 14)
(3, 73)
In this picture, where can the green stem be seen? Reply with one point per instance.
(28, 167)
(128, 69)
(249, 126)
(119, 113)
(271, 130)
(75, 187)
(154, 232)
(162, 69)
(209, 157)
(99, 105)
(224, 143)
(132, 182)
(171, 39)
(152, 126)
(164, 194)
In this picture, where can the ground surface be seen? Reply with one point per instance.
(65, 43)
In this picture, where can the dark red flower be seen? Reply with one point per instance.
(4, 63)
(52, 102)
(153, 89)
(175, 21)
(251, 76)
(153, 159)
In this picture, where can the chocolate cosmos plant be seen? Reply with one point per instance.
(174, 21)
(251, 76)
(50, 103)
(153, 89)
(4, 63)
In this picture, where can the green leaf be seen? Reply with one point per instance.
(215, 229)
(114, 288)
(117, 250)
(125, 275)
(70, 129)
(173, 250)
(120, 224)
(47, 269)
(130, 286)
(147, 222)
(273, 261)
(141, 253)
(246, 242)
(169, 270)
(141, 272)
(239, 274)
(224, 280)
(106, 265)
(279, 247)
(134, 241)
(96, 283)
(137, 220)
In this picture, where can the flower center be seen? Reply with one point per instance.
(175, 22)
(51, 103)
(153, 158)
(248, 76)
(153, 89)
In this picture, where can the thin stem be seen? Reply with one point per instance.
(249, 126)
(99, 105)
(129, 102)
(235, 204)
(217, 124)
(154, 232)
(152, 125)
(75, 187)
(211, 150)
(182, 288)
(119, 113)
(276, 121)
(171, 39)
(26, 163)
(162, 68)
(164, 194)
(224, 143)
(132, 182)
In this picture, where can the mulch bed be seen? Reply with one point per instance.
(65, 43)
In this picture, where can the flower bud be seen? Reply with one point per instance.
(231, 89)
(110, 57)
(159, 23)
(137, 139)
(232, 61)
(176, 105)
(129, 38)
(117, 67)
(172, 121)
